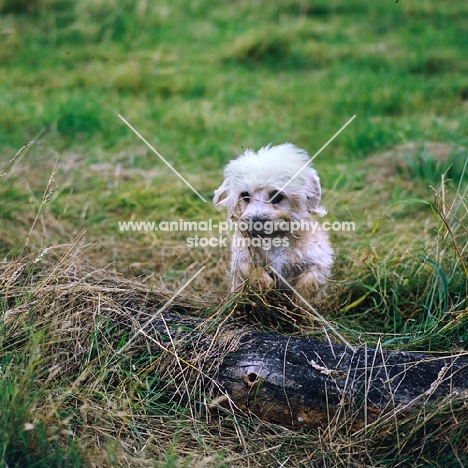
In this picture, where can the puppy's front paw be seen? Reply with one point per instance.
(260, 279)
(310, 285)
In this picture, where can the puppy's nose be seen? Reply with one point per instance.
(257, 219)
(257, 225)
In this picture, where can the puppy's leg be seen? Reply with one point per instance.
(260, 279)
(243, 267)
(239, 262)
(257, 277)
(311, 283)
(239, 270)
(317, 254)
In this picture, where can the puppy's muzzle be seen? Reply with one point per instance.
(257, 227)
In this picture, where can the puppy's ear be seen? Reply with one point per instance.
(314, 194)
(218, 193)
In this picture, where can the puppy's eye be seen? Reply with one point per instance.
(276, 197)
(245, 196)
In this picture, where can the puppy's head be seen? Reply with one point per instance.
(274, 184)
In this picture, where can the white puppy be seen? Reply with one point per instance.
(271, 197)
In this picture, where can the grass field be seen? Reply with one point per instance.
(202, 81)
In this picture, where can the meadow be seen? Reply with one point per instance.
(202, 81)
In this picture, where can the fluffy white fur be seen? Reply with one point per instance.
(250, 193)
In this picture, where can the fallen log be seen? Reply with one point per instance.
(297, 382)
(302, 382)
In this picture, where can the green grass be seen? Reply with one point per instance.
(28, 436)
(201, 81)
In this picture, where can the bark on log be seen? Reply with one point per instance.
(302, 382)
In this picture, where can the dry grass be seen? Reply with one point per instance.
(147, 401)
